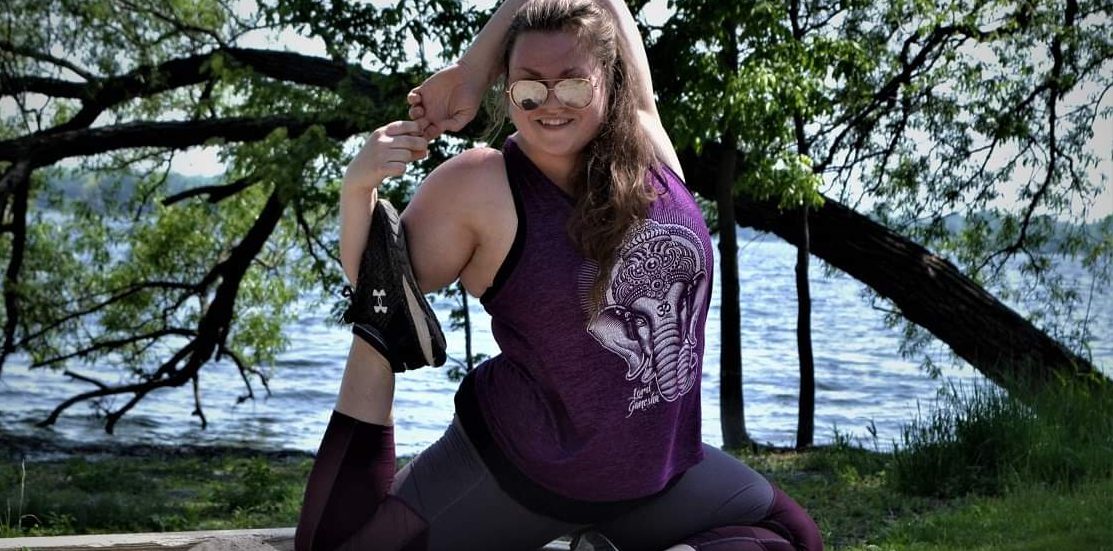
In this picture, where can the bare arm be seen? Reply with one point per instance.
(637, 62)
(450, 99)
(386, 153)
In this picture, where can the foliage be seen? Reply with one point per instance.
(161, 279)
(746, 78)
(981, 440)
(917, 112)
(163, 491)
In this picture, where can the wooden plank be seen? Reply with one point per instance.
(278, 539)
(275, 539)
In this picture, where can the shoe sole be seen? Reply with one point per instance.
(415, 301)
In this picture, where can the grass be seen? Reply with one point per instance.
(1035, 518)
(983, 441)
(981, 472)
(151, 493)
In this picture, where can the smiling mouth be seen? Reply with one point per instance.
(554, 123)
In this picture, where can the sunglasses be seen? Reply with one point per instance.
(528, 95)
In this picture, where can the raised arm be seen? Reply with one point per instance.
(450, 99)
(386, 153)
(637, 63)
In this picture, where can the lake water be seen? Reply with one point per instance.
(861, 380)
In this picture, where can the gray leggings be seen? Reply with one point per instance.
(450, 487)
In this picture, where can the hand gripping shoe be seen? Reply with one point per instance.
(387, 308)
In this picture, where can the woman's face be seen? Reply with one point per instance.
(553, 131)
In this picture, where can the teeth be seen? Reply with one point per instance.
(553, 122)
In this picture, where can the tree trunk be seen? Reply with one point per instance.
(805, 429)
(469, 357)
(928, 290)
(732, 416)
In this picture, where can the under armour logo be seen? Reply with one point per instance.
(379, 308)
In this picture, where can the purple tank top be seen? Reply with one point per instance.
(607, 410)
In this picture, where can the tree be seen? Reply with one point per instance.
(917, 112)
(164, 281)
(805, 431)
(732, 416)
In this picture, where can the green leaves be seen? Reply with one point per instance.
(748, 77)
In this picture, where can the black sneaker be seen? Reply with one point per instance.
(387, 308)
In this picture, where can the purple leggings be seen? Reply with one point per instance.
(447, 499)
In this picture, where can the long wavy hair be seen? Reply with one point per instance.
(609, 186)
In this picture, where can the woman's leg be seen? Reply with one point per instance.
(786, 527)
(444, 499)
(720, 504)
(347, 489)
(450, 486)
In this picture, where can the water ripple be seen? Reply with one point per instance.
(861, 380)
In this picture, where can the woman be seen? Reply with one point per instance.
(595, 265)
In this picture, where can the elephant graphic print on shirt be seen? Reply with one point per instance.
(649, 315)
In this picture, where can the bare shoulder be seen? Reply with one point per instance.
(459, 219)
(475, 171)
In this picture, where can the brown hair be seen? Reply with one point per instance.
(610, 189)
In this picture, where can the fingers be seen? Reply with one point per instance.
(401, 128)
(387, 152)
(417, 109)
(395, 160)
(418, 130)
(431, 131)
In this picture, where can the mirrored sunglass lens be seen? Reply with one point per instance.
(574, 93)
(528, 94)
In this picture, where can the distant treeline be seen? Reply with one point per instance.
(101, 193)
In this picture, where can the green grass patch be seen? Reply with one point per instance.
(1034, 518)
(983, 441)
(981, 472)
(151, 493)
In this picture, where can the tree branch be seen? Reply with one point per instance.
(197, 410)
(102, 94)
(45, 148)
(56, 88)
(177, 24)
(95, 382)
(136, 388)
(216, 193)
(928, 290)
(122, 294)
(212, 329)
(34, 54)
(101, 345)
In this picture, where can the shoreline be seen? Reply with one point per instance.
(35, 449)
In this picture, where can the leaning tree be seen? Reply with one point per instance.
(955, 146)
